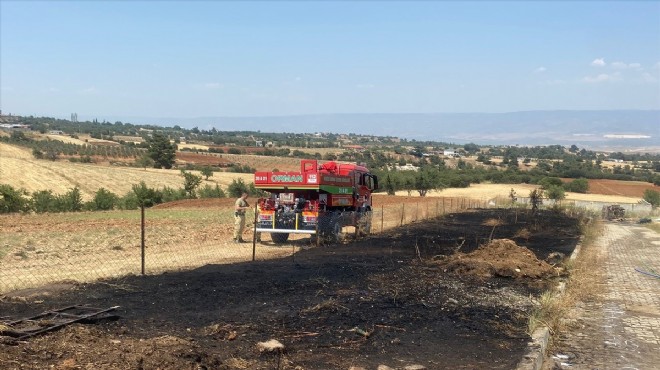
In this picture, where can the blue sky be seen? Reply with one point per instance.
(194, 59)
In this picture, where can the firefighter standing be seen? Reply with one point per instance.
(239, 217)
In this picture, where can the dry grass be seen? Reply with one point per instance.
(327, 305)
(556, 307)
(522, 234)
(237, 363)
(19, 169)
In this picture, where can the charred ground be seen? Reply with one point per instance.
(387, 299)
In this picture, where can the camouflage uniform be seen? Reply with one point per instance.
(239, 218)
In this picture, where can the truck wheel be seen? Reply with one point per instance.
(279, 238)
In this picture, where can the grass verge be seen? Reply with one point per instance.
(555, 306)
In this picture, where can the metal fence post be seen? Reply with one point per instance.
(382, 217)
(254, 232)
(142, 235)
(403, 212)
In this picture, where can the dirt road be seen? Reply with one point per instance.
(621, 328)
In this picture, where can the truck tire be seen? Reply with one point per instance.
(279, 238)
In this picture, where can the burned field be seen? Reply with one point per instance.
(424, 294)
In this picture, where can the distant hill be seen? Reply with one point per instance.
(616, 128)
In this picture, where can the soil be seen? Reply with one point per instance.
(201, 159)
(623, 188)
(500, 257)
(384, 300)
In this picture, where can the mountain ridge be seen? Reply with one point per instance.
(637, 128)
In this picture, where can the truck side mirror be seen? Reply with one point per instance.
(375, 184)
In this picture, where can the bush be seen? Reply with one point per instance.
(104, 200)
(547, 182)
(555, 193)
(12, 200)
(71, 201)
(652, 197)
(44, 201)
(171, 195)
(237, 188)
(128, 201)
(147, 197)
(577, 186)
(211, 192)
(190, 183)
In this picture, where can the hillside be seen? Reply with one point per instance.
(19, 169)
(602, 129)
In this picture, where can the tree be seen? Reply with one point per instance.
(513, 196)
(425, 181)
(207, 172)
(555, 193)
(390, 185)
(652, 197)
(237, 188)
(190, 183)
(577, 186)
(161, 151)
(536, 198)
(144, 161)
(471, 148)
(146, 197)
(547, 182)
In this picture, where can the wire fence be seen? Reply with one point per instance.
(40, 249)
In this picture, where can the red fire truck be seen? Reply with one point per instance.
(319, 200)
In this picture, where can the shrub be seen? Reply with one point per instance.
(652, 197)
(146, 197)
(577, 186)
(128, 201)
(555, 193)
(12, 200)
(547, 182)
(237, 188)
(211, 192)
(104, 200)
(170, 194)
(190, 183)
(44, 201)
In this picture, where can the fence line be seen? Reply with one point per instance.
(36, 250)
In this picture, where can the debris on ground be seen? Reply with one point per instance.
(500, 258)
(270, 346)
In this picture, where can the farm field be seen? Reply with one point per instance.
(599, 190)
(398, 298)
(19, 169)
